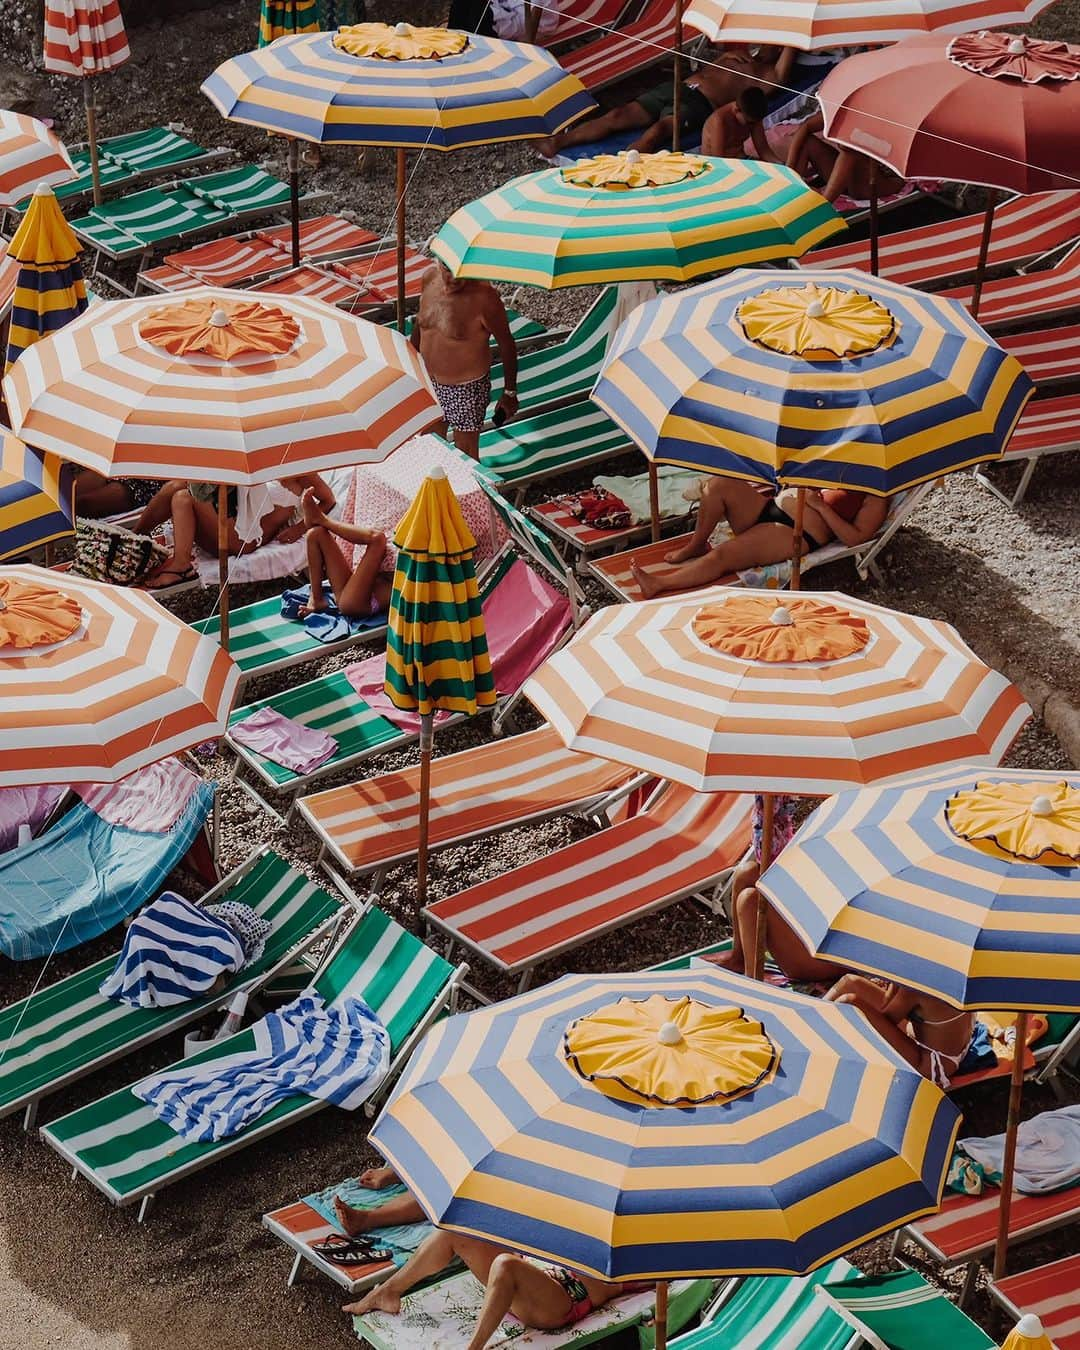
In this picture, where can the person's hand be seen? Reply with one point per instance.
(291, 533)
(508, 403)
(815, 499)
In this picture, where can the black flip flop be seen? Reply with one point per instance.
(350, 1251)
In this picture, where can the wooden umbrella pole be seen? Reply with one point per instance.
(874, 228)
(1008, 1166)
(91, 136)
(532, 21)
(757, 962)
(661, 1314)
(654, 500)
(676, 88)
(797, 538)
(223, 562)
(294, 198)
(401, 181)
(426, 726)
(984, 251)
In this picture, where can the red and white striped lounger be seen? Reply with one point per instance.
(1049, 355)
(1024, 228)
(643, 43)
(591, 15)
(580, 539)
(1034, 298)
(681, 844)
(1052, 1293)
(366, 826)
(1047, 426)
(9, 274)
(298, 1226)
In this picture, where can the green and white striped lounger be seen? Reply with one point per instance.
(566, 371)
(134, 158)
(67, 1030)
(774, 1312)
(551, 442)
(119, 1145)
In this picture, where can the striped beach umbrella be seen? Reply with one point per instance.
(626, 217)
(97, 681)
(29, 154)
(664, 1124)
(436, 646)
(36, 498)
(286, 18)
(84, 38)
(49, 290)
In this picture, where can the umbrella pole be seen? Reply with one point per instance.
(294, 198)
(1016, 1092)
(874, 228)
(532, 22)
(91, 136)
(676, 88)
(797, 533)
(654, 501)
(401, 181)
(756, 959)
(660, 1321)
(426, 727)
(223, 562)
(984, 250)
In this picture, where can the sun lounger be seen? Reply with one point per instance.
(1034, 298)
(1058, 1051)
(1052, 1293)
(681, 844)
(550, 443)
(119, 1145)
(582, 540)
(591, 16)
(1047, 426)
(613, 56)
(1049, 355)
(300, 1227)
(901, 1311)
(1025, 228)
(67, 1030)
(367, 826)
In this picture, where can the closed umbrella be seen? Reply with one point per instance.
(83, 38)
(49, 290)
(286, 18)
(36, 498)
(29, 154)
(436, 647)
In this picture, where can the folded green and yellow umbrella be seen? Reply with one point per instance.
(281, 18)
(49, 290)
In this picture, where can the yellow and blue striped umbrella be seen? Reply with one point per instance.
(315, 89)
(770, 1164)
(881, 880)
(49, 290)
(843, 380)
(547, 229)
(36, 497)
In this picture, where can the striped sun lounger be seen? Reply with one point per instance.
(902, 1311)
(582, 540)
(1052, 1293)
(300, 1227)
(551, 443)
(590, 16)
(119, 1145)
(1035, 298)
(68, 1030)
(9, 275)
(1049, 355)
(1047, 426)
(356, 284)
(681, 844)
(636, 46)
(366, 826)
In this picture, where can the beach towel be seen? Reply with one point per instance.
(337, 1054)
(1047, 1151)
(634, 490)
(401, 1239)
(173, 952)
(285, 741)
(329, 625)
(151, 799)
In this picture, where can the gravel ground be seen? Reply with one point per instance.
(75, 1272)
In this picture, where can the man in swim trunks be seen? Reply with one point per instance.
(453, 330)
(543, 1297)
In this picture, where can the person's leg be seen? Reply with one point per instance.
(821, 158)
(758, 546)
(732, 499)
(97, 496)
(178, 564)
(326, 562)
(430, 1257)
(354, 598)
(625, 118)
(656, 137)
(468, 442)
(158, 509)
(743, 920)
(206, 530)
(785, 945)
(398, 1209)
(516, 1285)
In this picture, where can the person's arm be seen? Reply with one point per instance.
(851, 533)
(760, 142)
(842, 173)
(499, 327)
(785, 65)
(797, 144)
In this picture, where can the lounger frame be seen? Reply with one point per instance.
(378, 1271)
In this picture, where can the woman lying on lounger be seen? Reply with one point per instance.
(359, 591)
(763, 531)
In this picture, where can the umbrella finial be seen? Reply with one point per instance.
(1042, 806)
(436, 473)
(1017, 47)
(219, 319)
(633, 156)
(403, 29)
(781, 616)
(815, 309)
(669, 1034)
(1030, 1325)
(44, 190)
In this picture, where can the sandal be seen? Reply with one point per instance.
(188, 574)
(350, 1251)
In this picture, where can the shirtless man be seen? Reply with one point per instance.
(840, 172)
(453, 331)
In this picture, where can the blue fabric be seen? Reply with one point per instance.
(330, 625)
(173, 952)
(338, 1054)
(83, 876)
(401, 1239)
(980, 1052)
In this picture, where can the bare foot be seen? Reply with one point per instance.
(378, 1178)
(549, 146)
(725, 960)
(313, 608)
(313, 512)
(353, 1221)
(688, 551)
(647, 584)
(380, 1299)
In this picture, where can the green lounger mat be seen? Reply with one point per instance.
(525, 533)
(260, 640)
(901, 1311)
(552, 442)
(567, 369)
(67, 1029)
(138, 154)
(120, 1145)
(521, 326)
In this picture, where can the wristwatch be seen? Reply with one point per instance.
(510, 393)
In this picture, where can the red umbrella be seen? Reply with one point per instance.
(987, 108)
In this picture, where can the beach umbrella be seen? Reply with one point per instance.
(405, 87)
(436, 647)
(656, 1125)
(843, 380)
(49, 290)
(36, 498)
(220, 387)
(97, 681)
(963, 883)
(727, 691)
(993, 109)
(286, 18)
(29, 154)
(84, 38)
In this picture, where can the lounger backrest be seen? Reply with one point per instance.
(615, 55)
(568, 366)
(901, 1311)
(247, 188)
(775, 1312)
(532, 540)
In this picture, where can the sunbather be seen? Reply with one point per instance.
(543, 1297)
(763, 531)
(837, 170)
(397, 1209)
(728, 127)
(781, 942)
(97, 496)
(359, 591)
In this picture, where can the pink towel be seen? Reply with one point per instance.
(151, 800)
(284, 741)
(24, 806)
(525, 618)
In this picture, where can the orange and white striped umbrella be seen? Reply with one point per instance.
(221, 387)
(728, 690)
(97, 681)
(29, 154)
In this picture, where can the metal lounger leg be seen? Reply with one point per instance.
(144, 1208)
(970, 1276)
(30, 1115)
(295, 1271)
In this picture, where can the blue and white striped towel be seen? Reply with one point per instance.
(174, 952)
(339, 1054)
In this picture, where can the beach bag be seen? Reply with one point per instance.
(107, 552)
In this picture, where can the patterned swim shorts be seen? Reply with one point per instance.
(464, 405)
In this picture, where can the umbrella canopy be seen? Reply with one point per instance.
(376, 84)
(812, 24)
(286, 18)
(84, 37)
(725, 690)
(964, 883)
(628, 217)
(29, 154)
(665, 1124)
(843, 380)
(97, 681)
(50, 290)
(988, 108)
(220, 387)
(36, 498)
